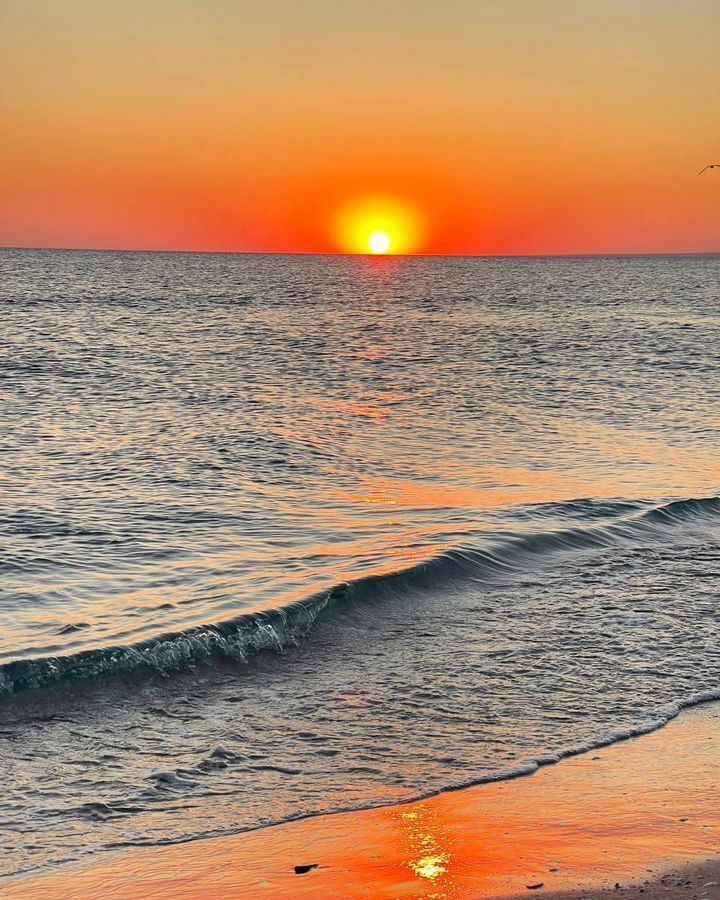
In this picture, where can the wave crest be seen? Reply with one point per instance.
(501, 555)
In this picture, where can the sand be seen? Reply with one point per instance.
(642, 814)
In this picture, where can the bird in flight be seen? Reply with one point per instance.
(711, 166)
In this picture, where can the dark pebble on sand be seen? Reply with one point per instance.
(301, 870)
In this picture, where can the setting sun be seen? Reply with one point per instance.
(379, 242)
(379, 225)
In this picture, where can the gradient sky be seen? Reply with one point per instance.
(516, 126)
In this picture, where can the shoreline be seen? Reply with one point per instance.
(630, 813)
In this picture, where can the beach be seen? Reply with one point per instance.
(640, 817)
(359, 457)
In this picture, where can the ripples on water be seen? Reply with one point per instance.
(203, 457)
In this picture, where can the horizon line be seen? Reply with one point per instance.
(330, 253)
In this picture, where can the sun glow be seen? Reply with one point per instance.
(379, 242)
(380, 226)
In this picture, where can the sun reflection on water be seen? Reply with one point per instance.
(428, 851)
(430, 867)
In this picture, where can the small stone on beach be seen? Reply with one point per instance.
(301, 870)
(534, 887)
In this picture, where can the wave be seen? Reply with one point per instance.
(660, 717)
(501, 555)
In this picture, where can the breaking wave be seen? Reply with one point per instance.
(501, 555)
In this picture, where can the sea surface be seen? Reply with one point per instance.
(282, 535)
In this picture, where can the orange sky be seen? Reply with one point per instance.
(515, 126)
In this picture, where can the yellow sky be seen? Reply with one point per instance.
(513, 126)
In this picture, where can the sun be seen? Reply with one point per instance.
(379, 225)
(379, 242)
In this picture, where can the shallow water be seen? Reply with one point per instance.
(455, 493)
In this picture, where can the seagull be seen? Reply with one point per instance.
(711, 166)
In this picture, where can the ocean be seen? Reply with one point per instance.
(285, 535)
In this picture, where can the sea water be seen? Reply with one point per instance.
(282, 535)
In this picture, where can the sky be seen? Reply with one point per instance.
(503, 126)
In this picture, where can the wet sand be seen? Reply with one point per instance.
(643, 814)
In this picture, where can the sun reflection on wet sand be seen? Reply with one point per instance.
(630, 811)
(428, 850)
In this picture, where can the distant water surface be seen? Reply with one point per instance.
(282, 535)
